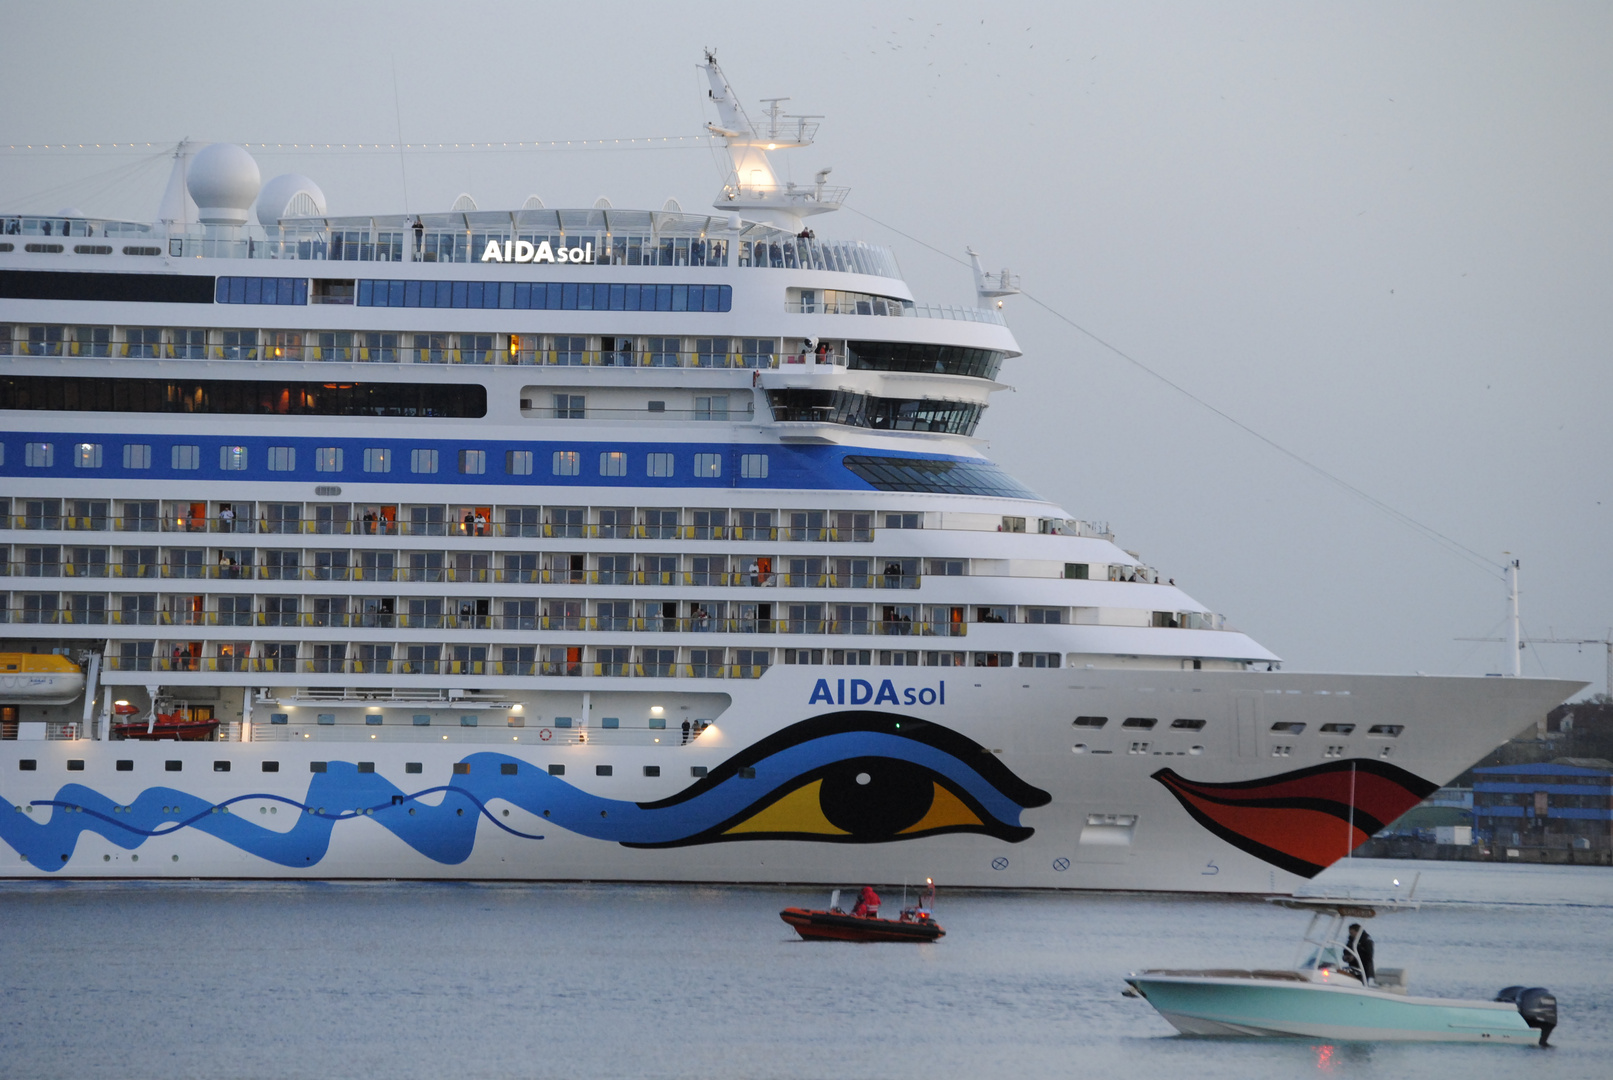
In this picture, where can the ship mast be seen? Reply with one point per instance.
(753, 188)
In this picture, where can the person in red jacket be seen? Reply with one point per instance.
(867, 904)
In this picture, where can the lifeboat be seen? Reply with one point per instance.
(832, 924)
(39, 678)
(172, 726)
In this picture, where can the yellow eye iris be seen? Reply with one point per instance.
(864, 800)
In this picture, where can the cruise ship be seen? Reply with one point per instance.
(608, 544)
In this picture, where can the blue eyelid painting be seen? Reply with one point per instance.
(852, 776)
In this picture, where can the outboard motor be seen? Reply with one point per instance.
(1537, 1006)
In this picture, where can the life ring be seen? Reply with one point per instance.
(545, 734)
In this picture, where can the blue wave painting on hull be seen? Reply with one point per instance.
(846, 777)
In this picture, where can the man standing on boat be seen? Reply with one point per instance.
(867, 904)
(1358, 953)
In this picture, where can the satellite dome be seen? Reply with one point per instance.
(71, 211)
(289, 195)
(223, 180)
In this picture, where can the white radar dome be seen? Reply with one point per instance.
(222, 181)
(289, 195)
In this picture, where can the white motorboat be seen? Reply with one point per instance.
(1326, 995)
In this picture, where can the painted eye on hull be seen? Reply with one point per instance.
(851, 777)
(868, 800)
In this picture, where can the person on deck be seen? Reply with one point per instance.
(1358, 954)
(867, 904)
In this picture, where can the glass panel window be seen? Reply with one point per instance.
(40, 455)
(613, 463)
(92, 341)
(518, 462)
(186, 457)
(282, 459)
(377, 459)
(753, 466)
(473, 462)
(137, 455)
(142, 343)
(238, 345)
(232, 458)
(566, 462)
(569, 407)
(328, 459)
(420, 461)
(87, 455)
(190, 345)
(659, 465)
(711, 408)
(708, 465)
(662, 351)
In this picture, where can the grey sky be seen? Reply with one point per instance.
(1378, 235)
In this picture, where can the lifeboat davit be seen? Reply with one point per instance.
(39, 678)
(172, 726)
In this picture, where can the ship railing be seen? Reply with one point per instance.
(483, 530)
(875, 305)
(459, 668)
(437, 730)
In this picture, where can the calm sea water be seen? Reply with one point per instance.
(453, 981)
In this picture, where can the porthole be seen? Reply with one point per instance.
(1079, 748)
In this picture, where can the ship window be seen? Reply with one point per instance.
(461, 768)
(282, 459)
(604, 770)
(613, 463)
(240, 397)
(232, 458)
(278, 718)
(221, 766)
(652, 770)
(1187, 725)
(328, 459)
(186, 457)
(468, 720)
(317, 766)
(753, 466)
(940, 476)
(518, 462)
(86, 455)
(325, 719)
(173, 766)
(570, 406)
(708, 465)
(557, 770)
(259, 290)
(611, 722)
(422, 461)
(1287, 727)
(1337, 729)
(697, 770)
(1039, 659)
(507, 768)
(566, 462)
(366, 766)
(1076, 570)
(658, 465)
(28, 765)
(562, 721)
(1091, 721)
(1388, 731)
(473, 462)
(373, 719)
(75, 765)
(413, 767)
(377, 459)
(39, 455)
(422, 719)
(271, 766)
(137, 455)
(125, 765)
(1146, 723)
(1044, 616)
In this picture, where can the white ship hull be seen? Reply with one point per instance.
(1108, 821)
